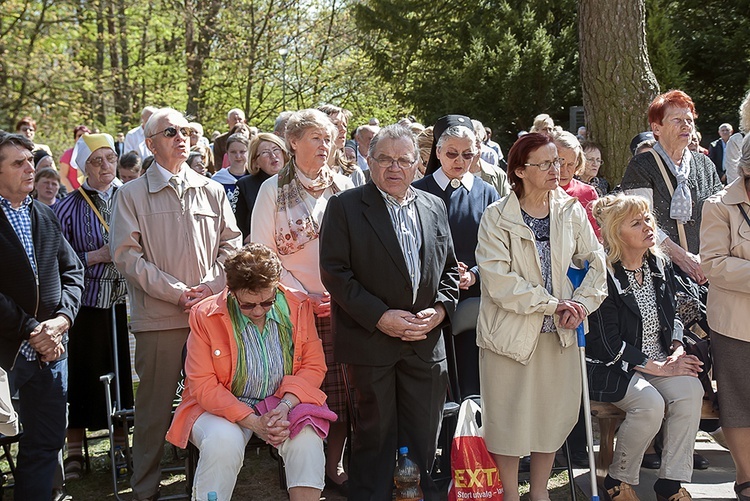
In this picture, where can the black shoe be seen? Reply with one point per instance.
(580, 459)
(651, 461)
(342, 488)
(699, 462)
(524, 465)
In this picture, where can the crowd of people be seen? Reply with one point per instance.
(304, 280)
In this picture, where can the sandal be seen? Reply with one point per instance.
(73, 467)
(738, 488)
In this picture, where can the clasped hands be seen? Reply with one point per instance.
(46, 338)
(571, 313)
(272, 427)
(409, 326)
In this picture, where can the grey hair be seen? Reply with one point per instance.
(745, 113)
(394, 131)
(302, 120)
(457, 131)
(150, 128)
(236, 110)
(744, 162)
(566, 139)
(479, 130)
(280, 124)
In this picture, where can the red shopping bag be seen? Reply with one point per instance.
(475, 474)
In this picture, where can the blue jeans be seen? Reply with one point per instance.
(43, 393)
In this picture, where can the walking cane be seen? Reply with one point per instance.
(576, 277)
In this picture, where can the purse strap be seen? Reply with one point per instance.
(744, 214)
(93, 207)
(668, 182)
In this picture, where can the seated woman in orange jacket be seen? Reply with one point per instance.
(253, 356)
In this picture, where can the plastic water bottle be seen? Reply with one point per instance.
(212, 496)
(121, 463)
(406, 476)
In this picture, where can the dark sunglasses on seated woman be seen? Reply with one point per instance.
(251, 306)
(172, 132)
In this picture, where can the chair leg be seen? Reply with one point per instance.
(607, 429)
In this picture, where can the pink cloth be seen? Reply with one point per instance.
(585, 194)
(317, 416)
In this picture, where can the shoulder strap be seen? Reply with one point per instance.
(93, 207)
(668, 182)
(744, 214)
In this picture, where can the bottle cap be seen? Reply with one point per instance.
(403, 451)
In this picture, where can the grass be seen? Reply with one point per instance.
(258, 479)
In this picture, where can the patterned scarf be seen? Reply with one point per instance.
(295, 226)
(243, 327)
(681, 208)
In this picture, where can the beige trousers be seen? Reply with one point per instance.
(158, 362)
(650, 400)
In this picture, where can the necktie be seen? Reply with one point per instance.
(177, 185)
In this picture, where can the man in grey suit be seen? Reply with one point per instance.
(386, 257)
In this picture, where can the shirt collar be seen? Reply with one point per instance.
(167, 175)
(410, 197)
(24, 205)
(443, 180)
(105, 195)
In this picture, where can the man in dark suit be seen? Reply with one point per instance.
(716, 151)
(386, 257)
(40, 294)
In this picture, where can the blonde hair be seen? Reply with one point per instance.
(424, 143)
(611, 212)
(539, 122)
(255, 143)
(565, 139)
(745, 114)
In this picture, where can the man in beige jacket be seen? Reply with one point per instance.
(171, 231)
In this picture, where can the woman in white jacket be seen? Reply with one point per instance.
(529, 372)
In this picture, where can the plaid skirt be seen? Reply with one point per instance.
(333, 384)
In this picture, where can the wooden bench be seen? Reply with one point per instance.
(609, 418)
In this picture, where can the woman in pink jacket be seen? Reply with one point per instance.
(253, 355)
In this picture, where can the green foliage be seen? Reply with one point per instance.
(663, 51)
(502, 62)
(100, 62)
(708, 42)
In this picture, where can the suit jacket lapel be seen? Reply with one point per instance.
(428, 221)
(377, 215)
(626, 293)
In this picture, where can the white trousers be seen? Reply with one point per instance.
(222, 450)
(645, 403)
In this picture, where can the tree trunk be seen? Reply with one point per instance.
(616, 77)
(101, 114)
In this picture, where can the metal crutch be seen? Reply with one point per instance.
(576, 277)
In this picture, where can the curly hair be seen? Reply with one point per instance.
(252, 268)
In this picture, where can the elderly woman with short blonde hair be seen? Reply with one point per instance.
(286, 218)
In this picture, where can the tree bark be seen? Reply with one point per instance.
(616, 77)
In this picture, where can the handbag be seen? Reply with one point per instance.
(474, 472)
(700, 347)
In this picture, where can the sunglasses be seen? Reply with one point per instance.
(251, 306)
(466, 155)
(99, 161)
(172, 132)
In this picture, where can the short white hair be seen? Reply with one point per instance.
(153, 123)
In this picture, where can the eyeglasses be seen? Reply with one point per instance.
(251, 306)
(275, 152)
(595, 161)
(466, 155)
(172, 132)
(543, 166)
(403, 162)
(98, 162)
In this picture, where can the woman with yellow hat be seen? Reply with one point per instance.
(84, 216)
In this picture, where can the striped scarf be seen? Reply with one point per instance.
(246, 334)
